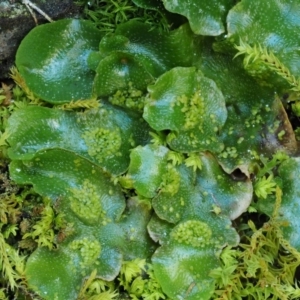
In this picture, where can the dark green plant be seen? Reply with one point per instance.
(162, 169)
(108, 14)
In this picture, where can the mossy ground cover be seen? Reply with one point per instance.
(150, 151)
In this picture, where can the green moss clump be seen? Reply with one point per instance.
(262, 267)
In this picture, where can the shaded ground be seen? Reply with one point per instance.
(16, 22)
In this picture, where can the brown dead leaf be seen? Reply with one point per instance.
(6, 91)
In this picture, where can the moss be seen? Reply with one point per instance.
(265, 261)
(108, 14)
(193, 161)
(266, 58)
(43, 230)
(16, 76)
(263, 265)
(79, 104)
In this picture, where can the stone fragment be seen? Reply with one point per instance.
(16, 21)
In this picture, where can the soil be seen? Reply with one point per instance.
(16, 21)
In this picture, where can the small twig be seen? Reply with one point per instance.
(31, 6)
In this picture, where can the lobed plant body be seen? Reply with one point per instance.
(143, 158)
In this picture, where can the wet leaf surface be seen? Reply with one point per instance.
(273, 25)
(289, 211)
(189, 105)
(102, 232)
(214, 120)
(103, 136)
(255, 119)
(205, 17)
(54, 56)
(137, 55)
(143, 159)
(182, 271)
